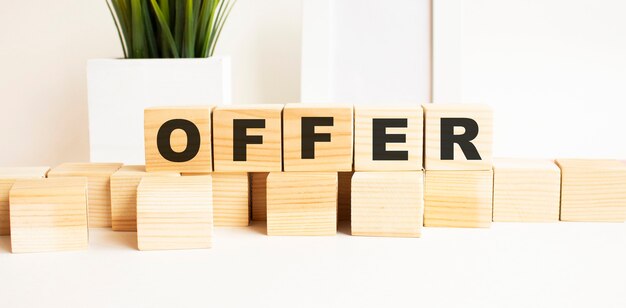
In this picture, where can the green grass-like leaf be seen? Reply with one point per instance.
(169, 28)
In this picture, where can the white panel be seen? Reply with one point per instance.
(379, 52)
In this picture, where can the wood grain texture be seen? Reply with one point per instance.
(174, 213)
(8, 176)
(302, 203)
(49, 215)
(230, 198)
(335, 155)
(388, 203)
(344, 193)
(154, 118)
(263, 157)
(99, 188)
(482, 114)
(363, 138)
(526, 190)
(593, 190)
(458, 198)
(124, 195)
(259, 195)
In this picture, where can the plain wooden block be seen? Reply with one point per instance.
(317, 137)
(185, 139)
(8, 176)
(255, 131)
(457, 117)
(230, 198)
(259, 195)
(344, 193)
(124, 195)
(302, 203)
(99, 191)
(458, 198)
(526, 190)
(388, 138)
(49, 215)
(174, 212)
(593, 190)
(388, 203)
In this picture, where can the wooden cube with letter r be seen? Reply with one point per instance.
(178, 139)
(458, 137)
(388, 138)
(302, 203)
(247, 138)
(8, 176)
(317, 137)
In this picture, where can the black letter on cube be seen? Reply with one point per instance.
(380, 138)
(309, 137)
(448, 138)
(193, 140)
(241, 139)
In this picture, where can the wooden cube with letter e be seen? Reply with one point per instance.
(388, 138)
(458, 137)
(178, 139)
(317, 137)
(247, 138)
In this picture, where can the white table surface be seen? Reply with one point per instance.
(512, 265)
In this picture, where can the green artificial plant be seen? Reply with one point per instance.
(169, 28)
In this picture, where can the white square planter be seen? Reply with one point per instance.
(120, 89)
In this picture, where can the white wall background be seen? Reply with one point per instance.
(553, 70)
(44, 46)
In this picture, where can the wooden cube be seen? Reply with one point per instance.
(230, 198)
(344, 193)
(259, 195)
(8, 176)
(178, 139)
(458, 137)
(388, 138)
(174, 212)
(593, 190)
(526, 190)
(124, 195)
(388, 203)
(317, 137)
(458, 198)
(247, 138)
(302, 203)
(49, 215)
(99, 191)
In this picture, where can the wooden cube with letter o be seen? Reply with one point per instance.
(178, 139)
